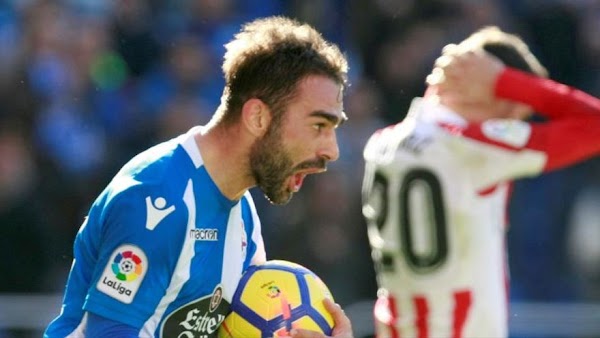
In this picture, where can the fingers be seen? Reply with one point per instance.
(450, 49)
(444, 61)
(436, 77)
(446, 67)
(471, 61)
(300, 333)
(343, 326)
(453, 62)
(465, 77)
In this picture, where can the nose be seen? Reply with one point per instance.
(329, 149)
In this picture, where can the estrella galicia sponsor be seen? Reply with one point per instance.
(200, 318)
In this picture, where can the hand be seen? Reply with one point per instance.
(342, 326)
(465, 76)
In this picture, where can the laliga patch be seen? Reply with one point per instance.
(512, 132)
(124, 273)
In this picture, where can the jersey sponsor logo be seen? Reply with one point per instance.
(206, 234)
(156, 211)
(512, 132)
(124, 273)
(200, 318)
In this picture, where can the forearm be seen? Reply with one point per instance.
(545, 96)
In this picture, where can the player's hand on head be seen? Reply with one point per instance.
(342, 327)
(465, 77)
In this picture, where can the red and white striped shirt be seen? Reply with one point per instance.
(435, 197)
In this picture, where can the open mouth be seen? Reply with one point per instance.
(296, 180)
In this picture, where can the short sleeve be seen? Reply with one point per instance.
(142, 232)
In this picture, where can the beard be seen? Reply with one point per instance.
(271, 166)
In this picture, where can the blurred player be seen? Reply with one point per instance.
(436, 185)
(164, 245)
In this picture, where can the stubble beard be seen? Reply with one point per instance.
(271, 166)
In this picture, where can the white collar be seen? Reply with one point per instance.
(188, 142)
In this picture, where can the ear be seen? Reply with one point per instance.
(256, 116)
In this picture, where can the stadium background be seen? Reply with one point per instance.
(86, 84)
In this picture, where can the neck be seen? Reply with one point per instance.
(225, 152)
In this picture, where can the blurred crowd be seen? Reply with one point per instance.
(87, 84)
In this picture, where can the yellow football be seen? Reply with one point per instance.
(275, 297)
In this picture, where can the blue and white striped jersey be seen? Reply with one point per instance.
(162, 249)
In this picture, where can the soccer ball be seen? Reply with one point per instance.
(275, 297)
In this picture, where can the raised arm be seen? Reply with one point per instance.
(547, 97)
(574, 116)
(479, 76)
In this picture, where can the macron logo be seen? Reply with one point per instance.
(156, 211)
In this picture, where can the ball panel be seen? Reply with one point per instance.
(318, 292)
(271, 292)
(305, 322)
(275, 297)
(235, 325)
(304, 317)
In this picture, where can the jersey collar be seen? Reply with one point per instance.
(188, 143)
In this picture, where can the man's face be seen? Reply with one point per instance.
(301, 143)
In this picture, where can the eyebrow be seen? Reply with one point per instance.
(332, 118)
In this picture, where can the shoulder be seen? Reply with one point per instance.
(378, 142)
(506, 133)
(156, 176)
(512, 132)
(164, 166)
(384, 143)
(157, 163)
